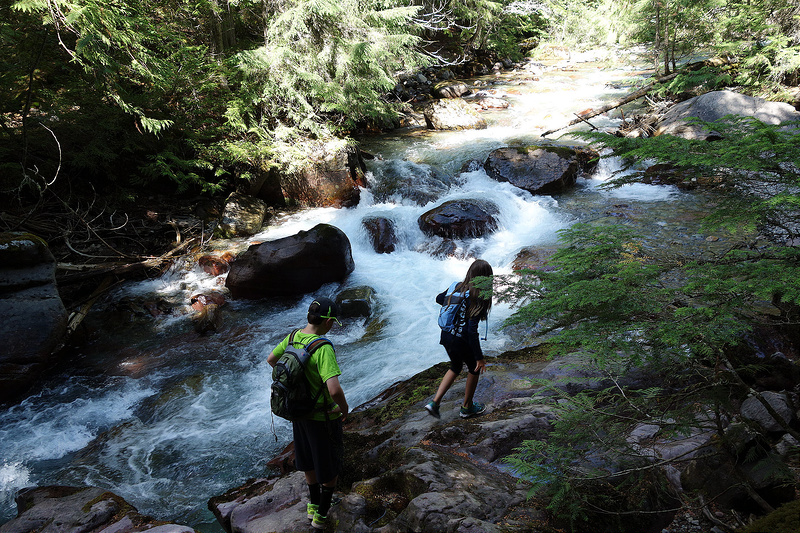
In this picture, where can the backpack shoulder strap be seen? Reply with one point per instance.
(316, 343)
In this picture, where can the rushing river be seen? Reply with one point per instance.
(167, 418)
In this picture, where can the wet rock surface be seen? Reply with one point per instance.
(460, 219)
(292, 265)
(538, 169)
(33, 320)
(80, 510)
(382, 234)
(407, 471)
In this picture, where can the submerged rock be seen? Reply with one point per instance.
(356, 301)
(216, 265)
(417, 182)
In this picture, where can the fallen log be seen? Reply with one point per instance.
(631, 97)
(713, 62)
(77, 317)
(87, 272)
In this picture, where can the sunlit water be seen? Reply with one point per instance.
(174, 418)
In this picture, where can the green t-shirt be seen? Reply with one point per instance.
(320, 368)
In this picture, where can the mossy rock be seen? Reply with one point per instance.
(530, 354)
(785, 519)
(400, 397)
(21, 249)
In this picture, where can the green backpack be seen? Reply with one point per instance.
(291, 392)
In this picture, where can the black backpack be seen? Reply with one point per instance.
(291, 392)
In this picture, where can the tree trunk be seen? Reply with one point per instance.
(666, 38)
(86, 272)
(228, 27)
(631, 97)
(657, 6)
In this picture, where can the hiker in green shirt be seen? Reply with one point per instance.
(318, 438)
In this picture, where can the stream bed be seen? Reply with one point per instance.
(168, 418)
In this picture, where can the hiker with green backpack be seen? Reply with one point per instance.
(314, 402)
(463, 308)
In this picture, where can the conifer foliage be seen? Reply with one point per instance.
(324, 67)
(625, 302)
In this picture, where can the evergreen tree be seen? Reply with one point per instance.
(324, 67)
(627, 302)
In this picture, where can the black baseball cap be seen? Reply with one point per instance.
(324, 308)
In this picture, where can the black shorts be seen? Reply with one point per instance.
(460, 354)
(318, 447)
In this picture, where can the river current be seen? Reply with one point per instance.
(167, 418)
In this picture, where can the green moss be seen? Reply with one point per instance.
(402, 396)
(531, 354)
(123, 506)
(361, 463)
(374, 328)
(785, 519)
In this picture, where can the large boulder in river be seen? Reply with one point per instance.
(713, 106)
(460, 219)
(539, 169)
(452, 114)
(243, 215)
(33, 320)
(57, 509)
(293, 265)
(331, 177)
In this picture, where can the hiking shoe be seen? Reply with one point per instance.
(433, 409)
(473, 410)
(319, 521)
(311, 510)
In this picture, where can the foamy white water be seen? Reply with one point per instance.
(182, 418)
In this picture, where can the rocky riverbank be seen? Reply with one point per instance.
(407, 471)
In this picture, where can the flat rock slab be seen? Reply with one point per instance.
(57, 509)
(714, 105)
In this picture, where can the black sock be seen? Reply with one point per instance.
(325, 500)
(313, 493)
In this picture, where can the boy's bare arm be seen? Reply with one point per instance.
(337, 394)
